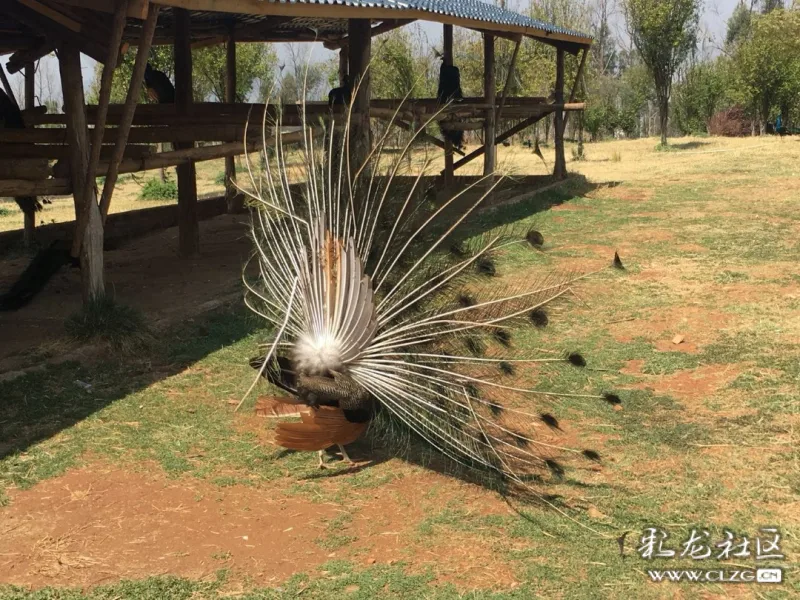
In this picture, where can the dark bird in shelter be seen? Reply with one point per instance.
(159, 87)
(341, 95)
(11, 118)
(450, 91)
(384, 315)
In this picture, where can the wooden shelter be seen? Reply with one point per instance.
(106, 140)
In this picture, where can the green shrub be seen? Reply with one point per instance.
(156, 189)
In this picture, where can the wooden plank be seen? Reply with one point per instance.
(53, 15)
(137, 9)
(24, 168)
(138, 135)
(336, 11)
(188, 225)
(43, 187)
(560, 168)
(489, 92)
(60, 151)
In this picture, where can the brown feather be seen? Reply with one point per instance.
(274, 407)
(319, 429)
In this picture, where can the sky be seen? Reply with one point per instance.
(714, 19)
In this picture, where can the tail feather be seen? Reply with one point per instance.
(415, 307)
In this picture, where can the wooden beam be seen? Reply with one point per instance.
(359, 56)
(421, 135)
(37, 187)
(128, 109)
(138, 135)
(20, 58)
(137, 9)
(88, 204)
(7, 87)
(447, 59)
(560, 168)
(509, 76)
(577, 82)
(53, 15)
(233, 198)
(24, 168)
(92, 283)
(489, 92)
(341, 11)
(499, 140)
(188, 225)
(56, 32)
(59, 152)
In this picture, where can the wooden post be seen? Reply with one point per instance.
(188, 227)
(129, 109)
(560, 169)
(69, 61)
(29, 230)
(235, 200)
(490, 93)
(359, 50)
(447, 59)
(88, 203)
(343, 65)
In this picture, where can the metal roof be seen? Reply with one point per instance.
(465, 9)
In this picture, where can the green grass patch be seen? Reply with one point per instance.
(103, 319)
(157, 189)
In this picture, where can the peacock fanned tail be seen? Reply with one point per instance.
(359, 276)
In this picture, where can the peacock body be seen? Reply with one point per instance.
(380, 302)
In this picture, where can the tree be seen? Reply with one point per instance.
(768, 64)
(664, 32)
(738, 27)
(698, 96)
(255, 67)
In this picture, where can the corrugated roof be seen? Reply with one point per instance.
(465, 9)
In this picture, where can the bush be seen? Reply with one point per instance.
(5, 212)
(732, 122)
(155, 189)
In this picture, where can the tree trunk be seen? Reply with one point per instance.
(663, 117)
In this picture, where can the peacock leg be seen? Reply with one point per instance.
(345, 456)
(322, 465)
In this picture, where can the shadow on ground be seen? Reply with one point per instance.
(41, 404)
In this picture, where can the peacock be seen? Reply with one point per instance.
(381, 305)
